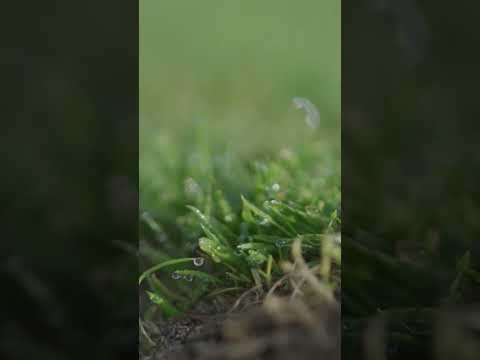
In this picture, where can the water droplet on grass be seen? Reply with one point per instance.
(280, 242)
(200, 214)
(198, 261)
(191, 186)
(188, 277)
(276, 187)
(176, 276)
(265, 222)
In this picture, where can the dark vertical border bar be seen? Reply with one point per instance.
(69, 164)
(410, 175)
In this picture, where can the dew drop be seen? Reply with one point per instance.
(276, 187)
(176, 275)
(228, 218)
(265, 222)
(200, 215)
(188, 277)
(280, 242)
(198, 261)
(191, 186)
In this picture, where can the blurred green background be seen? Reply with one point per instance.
(234, 67)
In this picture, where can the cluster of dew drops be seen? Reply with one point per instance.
(198, 261)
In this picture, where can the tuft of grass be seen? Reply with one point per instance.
(214, 223)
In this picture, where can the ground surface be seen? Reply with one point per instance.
(279, 330)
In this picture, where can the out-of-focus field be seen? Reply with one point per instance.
(235, 66)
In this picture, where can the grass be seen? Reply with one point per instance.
(214, 223)
(231, 174)
(229, 171)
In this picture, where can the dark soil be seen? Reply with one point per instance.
(279, 330)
